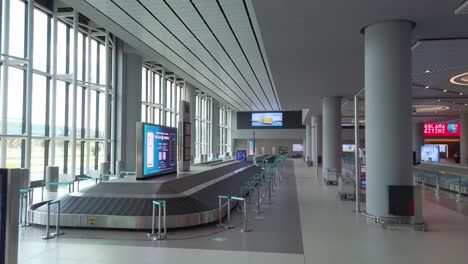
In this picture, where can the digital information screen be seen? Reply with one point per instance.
(267, 119)
(430, 153)
(242, 155)
(251, 147)
(349, 147)
(159, 150)
(442, 130)
(298, 147)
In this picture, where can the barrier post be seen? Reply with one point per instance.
(58, 232)
(161, 207)
(48, 235)
(460, 186)
(244, 220)
(437, 186)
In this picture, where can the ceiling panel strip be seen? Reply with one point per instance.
(215, 19)
(170, 45)
(135, 28)
(179, 27)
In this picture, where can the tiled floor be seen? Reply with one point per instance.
(305, 226)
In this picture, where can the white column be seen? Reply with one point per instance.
(190, 97)
(388, 110)
(418, 139)
(29, 83)
(215, 128)
(53, 101)
(332, 150)
(74, 94)
(464, 139)
(308, 142)
(316, 152)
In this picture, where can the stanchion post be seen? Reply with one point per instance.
(220, 208)
(57, 226)
(161, 206)
(48, 234)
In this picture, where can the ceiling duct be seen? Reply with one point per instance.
(462, 9)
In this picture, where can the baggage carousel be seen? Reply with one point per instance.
(191, 199)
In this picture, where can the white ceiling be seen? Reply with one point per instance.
(256, 54)
(315, 48)
(214, 42)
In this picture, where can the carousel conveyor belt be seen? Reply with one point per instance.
(192, 200)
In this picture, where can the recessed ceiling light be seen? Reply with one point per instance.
(444, 90)
(466, 104)
(461, 93)
(453, 103)
(428, 71)
(427, 87)
(438, 100)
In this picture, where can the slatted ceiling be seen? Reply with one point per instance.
(183, 32)
(441, 79)
(136, 28)
(237, 15)
(216, 21)
(138, 12)
(236, 72)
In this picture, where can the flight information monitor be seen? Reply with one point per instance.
(158, 145)
(267, 119)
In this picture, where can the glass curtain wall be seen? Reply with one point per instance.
(49, 124)
(160, 100)
(225, 131)
(203, 117)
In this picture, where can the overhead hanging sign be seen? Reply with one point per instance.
(442, 130)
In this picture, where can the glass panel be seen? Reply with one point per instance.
(39, 105)
(17, 27)
(15, 101)
(61, 48)
(102, 64)
(37, 159)
(93, 77)
(143, 85)
(40, 40)
(157, 89)
(60, 109)
(93, 113)
(13, 157)
(80, 57)
(102, 111)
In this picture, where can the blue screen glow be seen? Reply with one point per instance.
(160, 149)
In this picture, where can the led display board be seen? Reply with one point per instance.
(349, 147)
(251, 147)
(156, 150)
(430, 153)
(242, 155)
(442, 130)
(298, 147)
(267, 119)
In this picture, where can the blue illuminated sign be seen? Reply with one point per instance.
(160, 150)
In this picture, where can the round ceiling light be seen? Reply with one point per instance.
(429, 108)
(461, 79)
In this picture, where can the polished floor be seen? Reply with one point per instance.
(304, 224)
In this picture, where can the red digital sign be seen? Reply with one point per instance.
(442, 130)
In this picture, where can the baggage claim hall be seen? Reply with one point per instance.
(233, 131)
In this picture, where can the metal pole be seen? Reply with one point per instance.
(164, 220)
(159, 221)
(245, 229)
(106, 100)
(316, 151)
(88, 103)
(48, 235)
(228, 225)
(57, 226)
(21, 211)
(53, 103)
(74, 94)
(219, 212)
(152, 219)
(113, 102)
(6, 50)
(357, 162)
(29, 80)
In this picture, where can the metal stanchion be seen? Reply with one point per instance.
(57, 225)
(244, 222)
(437, 190)
(161, 207)
(460, 186)
(24, 198)
(220, 199)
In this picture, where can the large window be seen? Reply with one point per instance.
(225, 131)
(54, 94)
(203, 117)
(160, 99)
